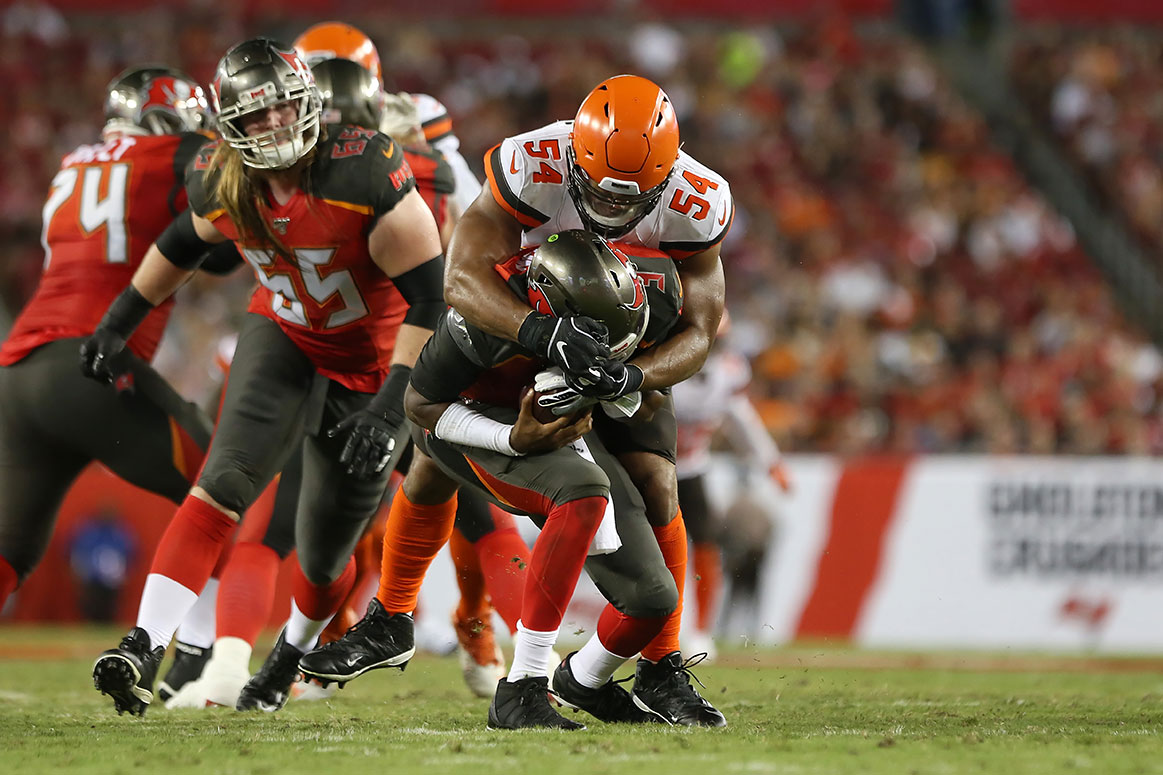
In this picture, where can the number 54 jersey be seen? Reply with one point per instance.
(327, 295)
(529, 177)
(108, 202)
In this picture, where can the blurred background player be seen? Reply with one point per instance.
(713, 401)
(330, 40)
(321, 362)
(108, 202)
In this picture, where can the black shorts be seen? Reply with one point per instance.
(54, 421)
(276, 405)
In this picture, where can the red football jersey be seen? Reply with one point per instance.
(434, 180)
(107, 205)
(332, 300)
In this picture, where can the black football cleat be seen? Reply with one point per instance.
(127, 672)
(377, 640)
(609, 702)
(524, 704)
(187, 666)
(664, 689)
(269, 689)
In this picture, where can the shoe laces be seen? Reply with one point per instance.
(534, 695)
(681, 673)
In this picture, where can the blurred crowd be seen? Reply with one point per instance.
(1100, 91)
(895, 281)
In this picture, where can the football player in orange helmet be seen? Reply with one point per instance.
(336, 40)
(617, 170)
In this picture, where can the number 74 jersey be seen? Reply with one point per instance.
(529, 176)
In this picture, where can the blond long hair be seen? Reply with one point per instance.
(241, 195)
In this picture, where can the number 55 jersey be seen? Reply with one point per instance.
(108, 202)
(327, 295)
(529, 177)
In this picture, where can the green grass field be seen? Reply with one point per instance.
(797, 710)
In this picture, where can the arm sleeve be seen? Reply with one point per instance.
(443, 371)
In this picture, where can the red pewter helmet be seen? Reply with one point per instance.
(155, 99)
(622, 150)
(350, 93)
(259, 74)
(576, 272)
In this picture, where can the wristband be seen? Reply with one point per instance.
(462, 425)
(388, 402)
(126, 312)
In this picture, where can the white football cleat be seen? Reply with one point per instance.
(222, 679)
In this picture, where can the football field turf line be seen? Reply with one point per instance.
(791, 711)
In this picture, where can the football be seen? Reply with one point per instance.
(541, 414)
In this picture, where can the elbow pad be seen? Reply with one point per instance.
(221, 259)
(423, 288)
(180, 243)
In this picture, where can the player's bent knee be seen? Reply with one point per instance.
(651, 598)
(232, 491)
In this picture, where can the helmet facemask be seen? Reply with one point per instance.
(280, 148)
(610, 208)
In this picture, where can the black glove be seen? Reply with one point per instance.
(103, 359)
(103, 355)
(612, 379)
(372, 431)
(575, 344)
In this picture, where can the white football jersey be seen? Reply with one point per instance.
(529, 173)
(437, 126)
(701, 404)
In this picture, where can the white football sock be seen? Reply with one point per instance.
(531, 650)
(302, 632)
(164, 603)
(230, 655)
(198, 628)
(594, 664)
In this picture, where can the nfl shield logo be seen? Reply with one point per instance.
(280, 224)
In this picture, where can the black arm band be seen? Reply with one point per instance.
(126, 313)
(388, 402)
(423, 288)
(180, 243)
(221, 259)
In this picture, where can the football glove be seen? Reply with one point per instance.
(575, 344)
(103, 358)
(610, 380)
(372, 432)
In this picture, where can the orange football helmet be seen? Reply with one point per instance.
(622, 150)
(336, 40)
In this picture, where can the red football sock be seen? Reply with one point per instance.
(320, 601)
(504, 560)
(558, 556)
(474, 602)
(626, 635)
(189, 549)
(246, 591)
(672, 542)
(9, 581)
(412, 538)
(708, 582)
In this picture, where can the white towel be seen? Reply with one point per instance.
(606, 540)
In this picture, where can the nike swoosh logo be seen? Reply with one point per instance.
(513, 164)
(352, 660)
(723, 217)
(390, 152)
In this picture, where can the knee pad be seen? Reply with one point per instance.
(651, 597)
(231, 488)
